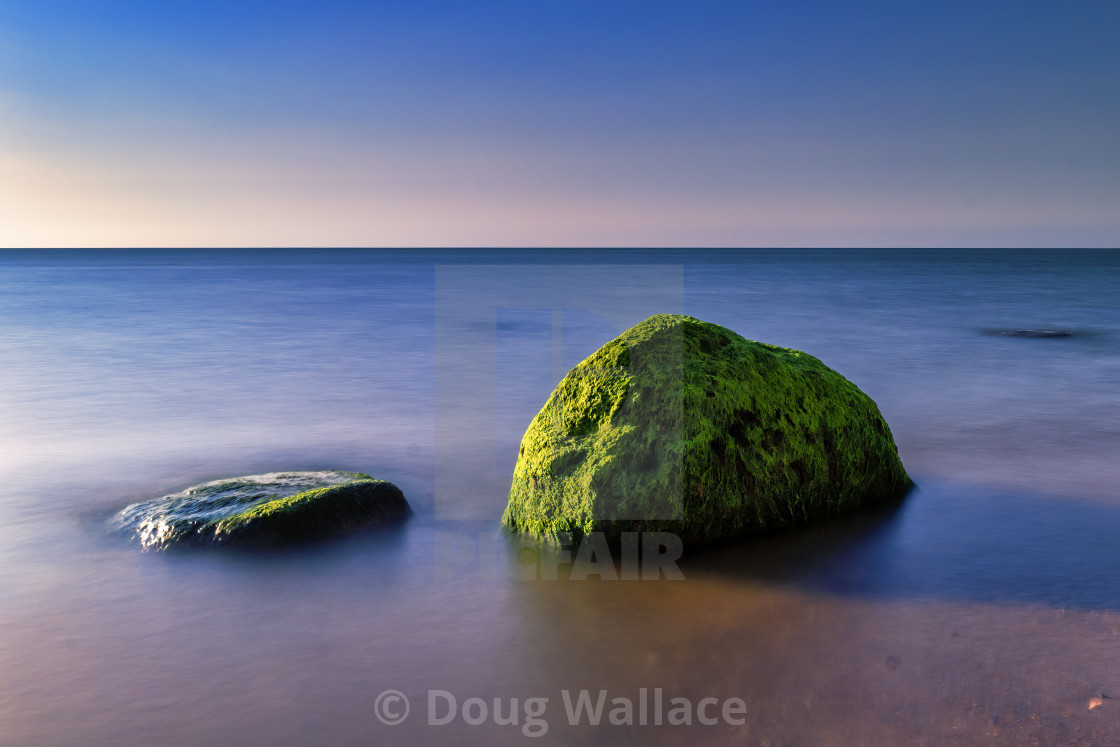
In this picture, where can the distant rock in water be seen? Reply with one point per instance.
(264, 510)
(683, 426)
(1034, 332)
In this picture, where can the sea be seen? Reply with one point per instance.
(983, 609)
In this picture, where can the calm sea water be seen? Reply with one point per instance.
(986, 609)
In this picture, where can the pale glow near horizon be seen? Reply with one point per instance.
(252, 200)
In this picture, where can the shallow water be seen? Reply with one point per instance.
(984, 609)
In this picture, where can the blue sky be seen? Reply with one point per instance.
(798, 123)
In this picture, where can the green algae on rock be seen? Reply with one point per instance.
(264, 510)
(679, 425)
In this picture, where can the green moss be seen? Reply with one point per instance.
(684, 426)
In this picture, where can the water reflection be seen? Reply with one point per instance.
(949, 543)
(942, 543)
(872, 629)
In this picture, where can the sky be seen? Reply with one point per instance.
(559, 123)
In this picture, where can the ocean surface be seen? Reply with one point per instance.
(985, 609)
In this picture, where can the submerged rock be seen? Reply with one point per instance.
(682, 426)
(270, 509)
(1034, 333)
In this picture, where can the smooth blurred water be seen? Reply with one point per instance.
(985, 609)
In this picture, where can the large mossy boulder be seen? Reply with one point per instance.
(682, 426)
(264, 510)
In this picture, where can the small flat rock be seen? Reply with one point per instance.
(1095, 703)
(270, 509)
